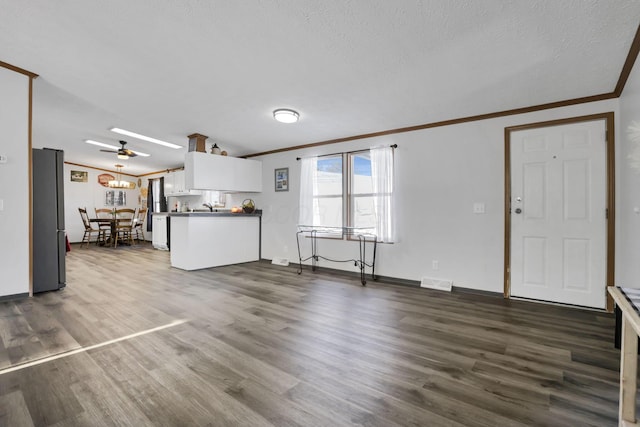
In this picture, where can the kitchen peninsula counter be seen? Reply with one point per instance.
(205, 214)
(211, 239)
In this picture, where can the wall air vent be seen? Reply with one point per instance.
(280, 261)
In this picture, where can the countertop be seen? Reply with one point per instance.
(258, 212)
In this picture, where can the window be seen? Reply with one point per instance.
(359, 195)
(361, 210)
(216, 199)
(328, 205)
(155, 187)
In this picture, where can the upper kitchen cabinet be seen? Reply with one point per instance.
(174, 185)
(222, 173)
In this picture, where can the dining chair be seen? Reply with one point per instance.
(105, 229)
(88, 229)
(138, 224)
(124, 225)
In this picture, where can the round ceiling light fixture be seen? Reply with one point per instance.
(284, 115)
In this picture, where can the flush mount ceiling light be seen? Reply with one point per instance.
(144, 138)
(284, 115)
(113, 147)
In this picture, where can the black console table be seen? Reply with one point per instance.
(363, 235)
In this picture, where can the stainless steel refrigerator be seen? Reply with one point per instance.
(49, 239)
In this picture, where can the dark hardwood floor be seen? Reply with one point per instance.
(262, 346)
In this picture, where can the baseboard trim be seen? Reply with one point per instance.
(390, 280)
(14, 297)
(478, 292)
(560, 304)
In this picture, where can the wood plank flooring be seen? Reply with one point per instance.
(262, 346)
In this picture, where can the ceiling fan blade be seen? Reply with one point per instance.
(125, 152)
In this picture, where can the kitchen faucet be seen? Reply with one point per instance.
(208, 205)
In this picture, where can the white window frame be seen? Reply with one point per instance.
(348, 196)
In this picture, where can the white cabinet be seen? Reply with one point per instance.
(168, 183)
(174, 185)
(222, 173)
(159, 230)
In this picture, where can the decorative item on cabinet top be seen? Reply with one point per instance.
(197, 142)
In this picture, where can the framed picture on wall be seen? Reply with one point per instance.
(282, 179)
(79, 176)
(108, 197)
(115, 198)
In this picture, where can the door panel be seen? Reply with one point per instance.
(534, 185)
(535, 252)
(558, 213)
(576, 264)
(577, 191)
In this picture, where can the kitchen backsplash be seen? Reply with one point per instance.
(196, 202)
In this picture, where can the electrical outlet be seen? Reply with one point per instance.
(435, 264)
(478, 208)
(3, 159)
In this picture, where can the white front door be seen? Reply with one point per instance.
(558, 213)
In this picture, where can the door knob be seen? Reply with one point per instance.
(518, 210)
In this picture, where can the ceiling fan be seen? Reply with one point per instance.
(123, 153)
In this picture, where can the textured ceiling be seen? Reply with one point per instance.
(168, 69)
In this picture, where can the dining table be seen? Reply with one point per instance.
(112, 222)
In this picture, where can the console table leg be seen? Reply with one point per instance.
(363, 248)
(299, 254)
(373, 262)
(314, 252)
(628, 372)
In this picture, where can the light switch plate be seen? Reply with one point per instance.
(478, 208)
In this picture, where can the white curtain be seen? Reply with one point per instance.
(308, 189)
(382, 177)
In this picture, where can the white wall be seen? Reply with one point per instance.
(628, 198)
(440, 174)
(90, 195)
(14, 183)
